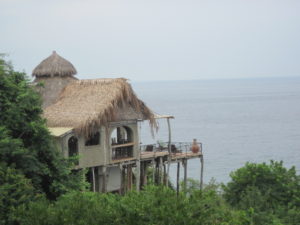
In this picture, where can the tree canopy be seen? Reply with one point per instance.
(26, 147)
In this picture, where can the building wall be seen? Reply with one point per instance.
(99, 155)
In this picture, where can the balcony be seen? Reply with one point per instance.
(122, 152)
(178, 150)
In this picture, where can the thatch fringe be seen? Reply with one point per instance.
(54, 65)
(87, 105)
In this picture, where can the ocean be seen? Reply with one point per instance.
(237, 121)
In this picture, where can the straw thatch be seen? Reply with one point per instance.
(54, 65)
(86, 105)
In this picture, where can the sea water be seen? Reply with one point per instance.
(238, 121)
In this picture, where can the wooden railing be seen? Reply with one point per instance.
(122, 151)
(176, 147)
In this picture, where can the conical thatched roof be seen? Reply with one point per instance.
(86, 105)
(54, 65)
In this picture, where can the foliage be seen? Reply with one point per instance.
(271, 191)
(25, 143)
(154, 205)
(15, 190)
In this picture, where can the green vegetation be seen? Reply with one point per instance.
(37, 185)
(30, 165)
(270, 192)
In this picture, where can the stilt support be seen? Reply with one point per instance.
(185, 173)
(178, 175)
(201, 172)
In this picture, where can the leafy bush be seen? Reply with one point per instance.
(271, 191)
(154, 205)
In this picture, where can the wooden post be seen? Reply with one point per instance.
(138, 174)
(185, 173)
(169, 149)
(94, 182)
(145, 174)
(169, 129)
(153, 171)
(178, 175)
(129, 177)
(168, 169)
(165, 175)
(201, 172)
(104, 178)
(161, 171)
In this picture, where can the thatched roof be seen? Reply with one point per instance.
(86, 105)
(50, 87)
(54, 65)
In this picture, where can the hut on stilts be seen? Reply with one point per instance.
(98, 120)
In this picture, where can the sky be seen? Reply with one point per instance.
(156, 40)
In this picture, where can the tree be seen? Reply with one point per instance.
(25, 142)
(270, 190)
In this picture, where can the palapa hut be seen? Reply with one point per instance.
(98, 120)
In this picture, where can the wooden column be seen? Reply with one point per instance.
(161, 170)
(178, 176)
(165, 175)
(104, 179)
(129, 177)
(169, 149)
(201, 172)
(185, 173)
(145, 174)
(94, 180)
(138, 174)
(153, 171)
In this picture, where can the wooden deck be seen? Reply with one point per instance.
(174, 156)
(152, 155)
(185, 155)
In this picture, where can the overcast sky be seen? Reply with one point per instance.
(156, 39)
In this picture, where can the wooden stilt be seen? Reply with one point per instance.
(104, 178)
(121, 179)
(145, 174)
(129, 177)
(169, 149)
(138, 174)
(168, 169)
(123, 184)
(94, 180)
(153, 172)
(165, 174)
(178, 175)
(201, 172)
(161, 170)
(185, 173)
